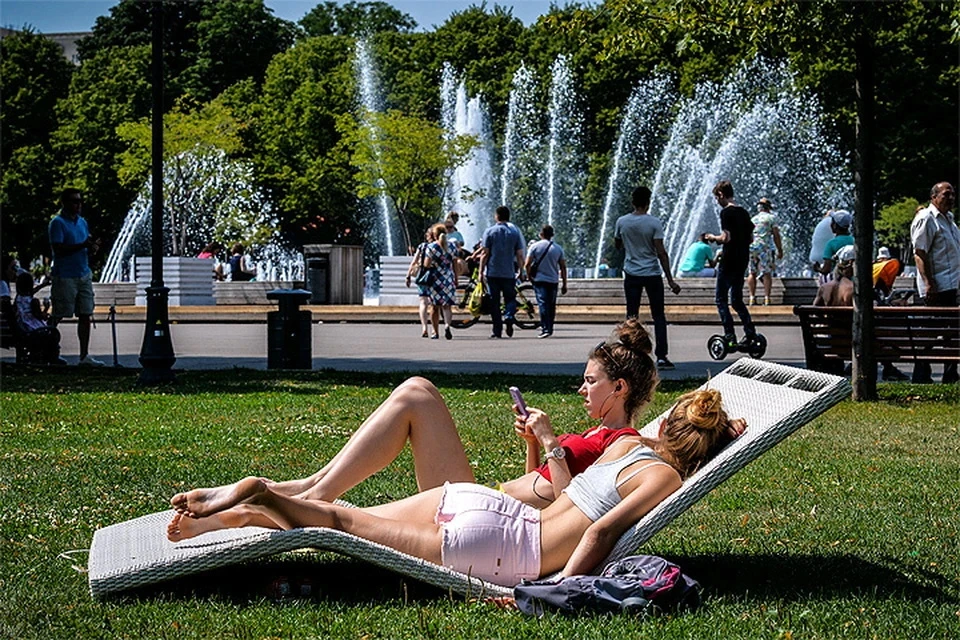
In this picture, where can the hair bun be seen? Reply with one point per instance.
(705, 410)
(634, 337)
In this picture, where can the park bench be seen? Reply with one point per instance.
(900, 334)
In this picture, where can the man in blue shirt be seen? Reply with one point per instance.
(71, 292)
(502, 255)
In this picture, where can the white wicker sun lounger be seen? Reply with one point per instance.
(774, 399)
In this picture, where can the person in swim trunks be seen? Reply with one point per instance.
(491, 535)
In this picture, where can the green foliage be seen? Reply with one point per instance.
(296, 146)
(235, 40)
(109, 89)
(33, 76)
(355, 19)
(406, 159)
(893, 225)
(867, 492)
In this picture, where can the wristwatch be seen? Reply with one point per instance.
(558, 453)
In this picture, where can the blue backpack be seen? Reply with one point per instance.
(639, 585)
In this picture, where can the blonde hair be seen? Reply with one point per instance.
(440, 234)
(694, 430)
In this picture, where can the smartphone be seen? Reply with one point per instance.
(518, 400)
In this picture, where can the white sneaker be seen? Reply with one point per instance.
(90, 361)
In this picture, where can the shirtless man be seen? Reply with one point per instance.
(839, 291)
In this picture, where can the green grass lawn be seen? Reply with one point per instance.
(849, 529)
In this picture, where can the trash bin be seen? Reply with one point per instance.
(289, 343)
(318, 278)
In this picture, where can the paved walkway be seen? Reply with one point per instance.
(398, 347)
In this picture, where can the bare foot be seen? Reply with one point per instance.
(200, 503)
(183, 527)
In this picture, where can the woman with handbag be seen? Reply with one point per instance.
(442, 285)
(419, 271)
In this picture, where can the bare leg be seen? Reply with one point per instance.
(204, 502)
(435, 320)
(414, 534)
(447, 315)
(752, 285)
(767, 285)
(424, 312)
(415, 411)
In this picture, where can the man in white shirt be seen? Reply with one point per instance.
(936, 247)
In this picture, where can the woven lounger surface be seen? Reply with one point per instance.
(774, 399)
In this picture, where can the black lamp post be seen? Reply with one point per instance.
(156, 352)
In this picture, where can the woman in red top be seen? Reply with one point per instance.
(416, 412)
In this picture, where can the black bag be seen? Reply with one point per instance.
(637, 584)
(425, 275)
(532, 271)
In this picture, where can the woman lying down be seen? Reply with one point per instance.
(489, 534)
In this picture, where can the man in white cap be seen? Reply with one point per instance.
(885, 272)
(840, 221)
(936, 247)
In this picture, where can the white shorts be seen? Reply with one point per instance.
(488, 534)
(71, 296)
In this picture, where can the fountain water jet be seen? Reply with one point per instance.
(371, 101)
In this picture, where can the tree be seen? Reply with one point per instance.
(893, 225)
(406, 159)
(34, 75)
(355, 19)
(235, 40)
(204, 198)
(295, 143)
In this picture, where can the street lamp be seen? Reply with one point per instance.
(156, 352)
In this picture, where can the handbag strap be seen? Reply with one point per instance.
(536, 265)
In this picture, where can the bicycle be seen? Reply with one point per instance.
(526, 317)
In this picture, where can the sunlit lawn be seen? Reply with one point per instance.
(848, 529)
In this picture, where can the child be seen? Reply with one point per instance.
(42, 339)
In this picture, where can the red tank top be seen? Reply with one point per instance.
(583, 449)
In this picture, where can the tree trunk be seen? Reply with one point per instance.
(864, 376)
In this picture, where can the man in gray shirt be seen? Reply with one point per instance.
(502, 256)
(641, 236)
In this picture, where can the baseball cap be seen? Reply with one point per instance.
(845, 254)
(842, 218)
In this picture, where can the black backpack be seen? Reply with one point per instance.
(639, 585)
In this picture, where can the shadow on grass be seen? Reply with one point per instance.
(801, 577)
(32, 379)
(771, 577)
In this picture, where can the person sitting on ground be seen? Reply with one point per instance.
(699, 260)
(457, 524)
(838, 292)
(453, 235)
(32, 319)
(240, 268)
(416, 413)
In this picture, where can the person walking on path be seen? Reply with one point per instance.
(640, 235)
(417, 264)
(442, 288)
(736, 233)
(936, 248)
(71, 290)
(501, 257)
(546, 268)
(765, 251)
